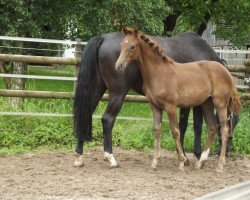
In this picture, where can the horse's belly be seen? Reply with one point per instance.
(192, 98)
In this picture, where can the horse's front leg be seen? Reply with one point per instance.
(171, 110)
(157, 114)
(108, 120)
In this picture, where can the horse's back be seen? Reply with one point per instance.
(188, 47)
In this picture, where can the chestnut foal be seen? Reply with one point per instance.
(168, 85)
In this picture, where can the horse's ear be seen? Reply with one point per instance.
(136, 31)
(125, 29)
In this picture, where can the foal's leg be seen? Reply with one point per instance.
(222, 112)
(157, 114)
(208, 111)
(171, 110)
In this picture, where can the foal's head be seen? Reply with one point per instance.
(129, 48)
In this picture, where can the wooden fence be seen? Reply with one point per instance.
(70, 95)
(69, 61)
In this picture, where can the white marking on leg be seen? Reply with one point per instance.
(154, 163)
(203, 159)
(181, 165)
(111, 159)
(204, 155)
(79, 161)
(105, 156)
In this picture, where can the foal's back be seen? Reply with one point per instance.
(196, 81)
(211, 71)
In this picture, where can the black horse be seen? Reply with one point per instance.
(97, 74)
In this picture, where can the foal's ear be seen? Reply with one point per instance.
(136, 31)
(125, 30)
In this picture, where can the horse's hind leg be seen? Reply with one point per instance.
(157, 113)
(171, 110)
(222, 112)
(183, 123)
(198, 121)
(96, 96)
(208, 112)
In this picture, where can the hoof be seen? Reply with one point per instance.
(181, 165)
(186, 163)
(154, 164)
(111, 159)
(219, 168)
(181, 168)
(198, 165)
(114, 166)
(79, 161)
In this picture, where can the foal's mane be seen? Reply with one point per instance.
(155, 46)
(152, 44)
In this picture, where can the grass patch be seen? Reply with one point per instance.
(22, 134)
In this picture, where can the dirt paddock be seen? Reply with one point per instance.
(51, 175)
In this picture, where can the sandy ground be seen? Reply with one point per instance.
(51, 175)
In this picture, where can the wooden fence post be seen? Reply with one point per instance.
(78, 54)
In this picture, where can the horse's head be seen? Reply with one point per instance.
(129, 48)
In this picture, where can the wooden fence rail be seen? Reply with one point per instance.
(39, 59)
(70, 95)
(75, 61)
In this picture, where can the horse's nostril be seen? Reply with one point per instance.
(118, 67)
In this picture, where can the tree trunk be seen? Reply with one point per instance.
(203, 24)
(206, 19)
(169, 24)
(18, 83)
(4, 70)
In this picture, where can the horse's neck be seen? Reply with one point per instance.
(152, 65)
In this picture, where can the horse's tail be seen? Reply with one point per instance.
(234, 102)
(82, 102)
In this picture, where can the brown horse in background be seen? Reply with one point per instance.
(168, 85)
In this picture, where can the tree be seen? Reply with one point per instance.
(230, 17)
(29, 18)
(92, 18)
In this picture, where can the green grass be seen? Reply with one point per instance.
(21, 134)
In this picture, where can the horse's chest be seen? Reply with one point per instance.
(157, 98)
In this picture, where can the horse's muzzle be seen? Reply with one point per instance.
(120, 67)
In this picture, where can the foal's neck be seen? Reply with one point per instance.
(151, 63)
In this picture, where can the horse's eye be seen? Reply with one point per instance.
(132, 47)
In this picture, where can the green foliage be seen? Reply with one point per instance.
(34, 18)
(231, 18)
(242, 132)
(86, 18)
(98, 17)
(31, 133)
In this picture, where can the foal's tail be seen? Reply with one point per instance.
(234, 102)
(86, 78)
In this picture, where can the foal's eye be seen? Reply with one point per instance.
(132, 47)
